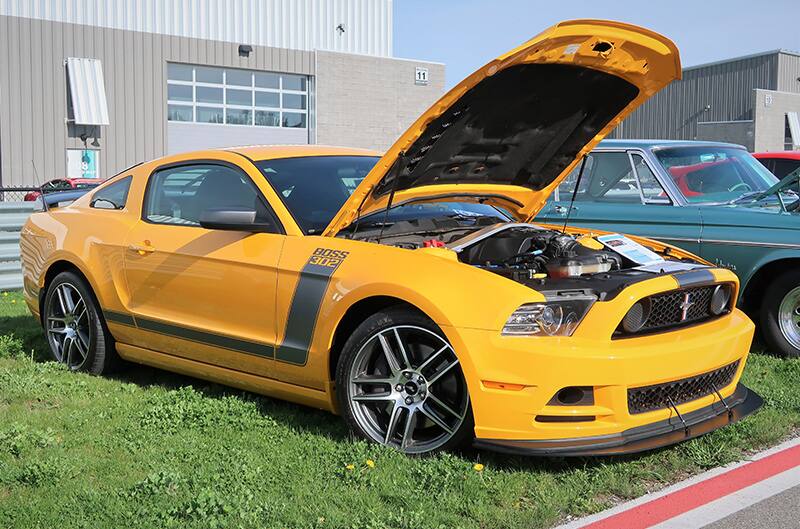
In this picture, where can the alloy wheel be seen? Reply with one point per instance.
(68, 326)
(789, 317)
(406, 389)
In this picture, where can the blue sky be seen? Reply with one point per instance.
(465, 34)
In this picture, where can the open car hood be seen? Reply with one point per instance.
(510, 132)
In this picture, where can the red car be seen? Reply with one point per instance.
(779, 163)
(63, 184)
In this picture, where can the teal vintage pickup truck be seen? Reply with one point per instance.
(713, 199)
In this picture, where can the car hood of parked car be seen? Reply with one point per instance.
(511, 131)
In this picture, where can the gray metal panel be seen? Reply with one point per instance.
(33, 93)
(12, 217)
(296, 24)
(788, 72)
(725, 87)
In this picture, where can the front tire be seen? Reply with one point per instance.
(780, 314)
(399, 383)
(74, 326)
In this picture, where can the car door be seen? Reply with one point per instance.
(204, 294)
(620, 192)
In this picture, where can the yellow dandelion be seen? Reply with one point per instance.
(350, 467)
(477, 467)
(370, 463)
(5, 294)
(13, 301)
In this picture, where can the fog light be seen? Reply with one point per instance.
(720, 299)
(573, 396)
(637, 316)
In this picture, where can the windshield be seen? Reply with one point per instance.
(466, 213)
(707, 173)
(314, 188)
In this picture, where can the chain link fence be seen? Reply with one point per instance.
(19, 194)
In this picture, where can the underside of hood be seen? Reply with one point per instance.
(511, 131)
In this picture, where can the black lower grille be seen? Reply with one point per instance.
(660, 396)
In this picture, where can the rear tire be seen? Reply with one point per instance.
(75, 328)
(780, 315)
(399, 383)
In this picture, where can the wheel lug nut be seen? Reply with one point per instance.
(398, 387)
(420, 380)
(407, 374)
(409, 400)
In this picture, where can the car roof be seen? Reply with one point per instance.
(269, 152)
(649, 144)
(785, 155)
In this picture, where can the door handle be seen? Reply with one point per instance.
(142, 249)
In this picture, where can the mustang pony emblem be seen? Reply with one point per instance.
(686, 305)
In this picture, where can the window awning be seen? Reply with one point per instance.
(794, 128)
(87, 91)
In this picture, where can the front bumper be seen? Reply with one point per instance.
(673, 430)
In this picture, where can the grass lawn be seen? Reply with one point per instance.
(147, 448)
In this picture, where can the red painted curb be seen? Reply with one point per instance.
(699, 494)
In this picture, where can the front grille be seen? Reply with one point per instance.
(659, 396)
(676, 308)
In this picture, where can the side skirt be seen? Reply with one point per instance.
(265, 386)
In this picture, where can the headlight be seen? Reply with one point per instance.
(557, 317)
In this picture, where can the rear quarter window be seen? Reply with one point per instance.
(112, 196)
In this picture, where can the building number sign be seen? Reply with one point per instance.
(421, 75)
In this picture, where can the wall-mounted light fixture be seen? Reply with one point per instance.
(340, 29)
(245, 50)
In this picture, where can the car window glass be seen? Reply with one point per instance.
(567, 186)
(708, 173)
(608, 178)
(112, 196)
(782, 168)
(314, 188)
(651, 188)
(179, 195)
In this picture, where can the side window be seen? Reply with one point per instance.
(112, 196)
(652, 191)
(607, 177)
(179, 195)
(781, 168)
(567, 186)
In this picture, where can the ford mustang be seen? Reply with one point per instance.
(410, 292)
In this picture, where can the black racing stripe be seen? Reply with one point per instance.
(119, 317)
(207, 338)
(300, 324)
(692, 278)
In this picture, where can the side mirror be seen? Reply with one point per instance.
(233, 220)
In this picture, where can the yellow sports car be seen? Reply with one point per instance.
(410, 293)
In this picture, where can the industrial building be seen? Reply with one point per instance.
(753, 101)
(90, 87)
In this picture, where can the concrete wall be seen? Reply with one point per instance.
(770, 110)
(739, 132)
(33, 92)
(368, 102)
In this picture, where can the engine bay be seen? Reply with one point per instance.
(542, 258)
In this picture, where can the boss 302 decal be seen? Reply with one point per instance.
(314, 279)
